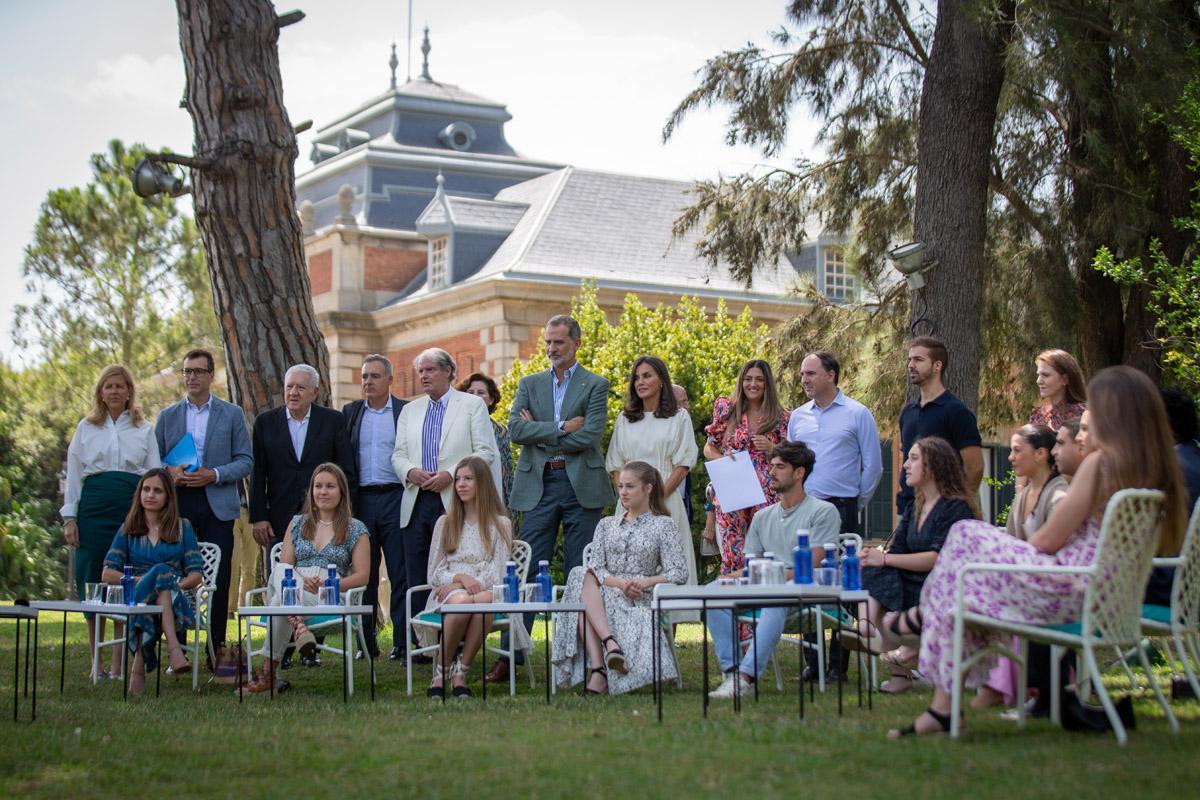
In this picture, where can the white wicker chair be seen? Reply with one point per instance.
(1181, 621)
(350, 597)
(521, 553)
(1112, 603)
(201, 598)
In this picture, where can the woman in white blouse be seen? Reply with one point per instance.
(654, 429)
(472, 542)
(112, 446)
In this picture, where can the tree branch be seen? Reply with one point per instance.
(922, 56)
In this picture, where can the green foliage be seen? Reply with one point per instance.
(115, 279)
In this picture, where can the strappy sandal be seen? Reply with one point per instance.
(872, 643)
(459, 670)
(602, 671)
(615, 659)
(437, 692)
(893, 658)
(306, 643)
(941, 719)
(912, 636)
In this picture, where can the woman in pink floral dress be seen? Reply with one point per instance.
(1133, 449)
(1061, 391)
(754, 422)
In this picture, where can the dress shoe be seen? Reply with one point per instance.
(287, 661)
(498, 673)
(311, 661)
(397, 654)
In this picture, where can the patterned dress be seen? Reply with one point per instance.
(1056, 415)
(732, 527)
(641, 548)
(1038, 599)
(504, 446)
(158, 568)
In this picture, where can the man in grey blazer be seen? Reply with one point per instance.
(208, 496)
(558, 417)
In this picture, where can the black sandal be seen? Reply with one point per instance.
(914, 624)
(941, 719)
(614, 659)
(603, 672)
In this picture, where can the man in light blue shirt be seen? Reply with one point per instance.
(843, 435)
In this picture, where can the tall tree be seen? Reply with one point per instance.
(114, 278)
(244, 190)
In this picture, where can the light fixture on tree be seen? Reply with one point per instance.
(910, 261)
(149, 179)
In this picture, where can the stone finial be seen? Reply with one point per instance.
(345, 198)
(308, 217)
(393, 62)
(425, 48)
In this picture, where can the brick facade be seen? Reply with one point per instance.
(465, 348)
(390, 269)
(320, 272)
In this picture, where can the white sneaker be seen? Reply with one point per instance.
(734, 681)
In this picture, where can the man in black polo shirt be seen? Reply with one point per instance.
(936, 413)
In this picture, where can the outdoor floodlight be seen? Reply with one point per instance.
(150, 179)
(909, 261)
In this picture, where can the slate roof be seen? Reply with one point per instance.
(418, 87)
(471, 212)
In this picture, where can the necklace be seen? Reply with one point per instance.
(323, 522)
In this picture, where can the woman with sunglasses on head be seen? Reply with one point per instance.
(325, 534)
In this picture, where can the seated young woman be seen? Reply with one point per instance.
(1128, 429)
(1031, 455)
(631, 552)
(472, 542)
(325, 534)
(895, 574)
(161, 547)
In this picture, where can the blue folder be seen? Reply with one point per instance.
(183, 454)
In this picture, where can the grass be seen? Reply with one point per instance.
(88, 743)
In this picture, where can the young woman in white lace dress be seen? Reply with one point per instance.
(471, 544)
(631, 552)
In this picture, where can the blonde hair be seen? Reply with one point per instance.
(99, 409)
(488, 508)
(341, 517)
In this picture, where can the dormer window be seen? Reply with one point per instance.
(437, 262)
(840, 285)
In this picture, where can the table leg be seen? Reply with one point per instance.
(27, 626)
(704, 650)
(838, 635)
(239, 666)
(858, 662)
(754, 644)
(16, 667)
(737, 659)
(800, 659)
(345, 661)
(36, 625)
(546, 630)
(158, 672)
(124, 661)
(442, 657)
(62, 662)
(371, 661)
(483, 653)
(271, 651)
(657, 659)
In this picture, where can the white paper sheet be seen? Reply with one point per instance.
(736, 482)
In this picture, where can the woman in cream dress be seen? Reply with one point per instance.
(654, 429)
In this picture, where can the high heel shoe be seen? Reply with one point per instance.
(459, 670)
(615, 659)
(600, 671)
(437, 692)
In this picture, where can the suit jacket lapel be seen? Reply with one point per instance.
(310, 434)
(176, 424)
(210, 425)
(574, 391)
(453, 407)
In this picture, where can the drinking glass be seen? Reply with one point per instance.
(94, 593)
(498, 593)
(327, 596)
(116, 595)
(825, 576)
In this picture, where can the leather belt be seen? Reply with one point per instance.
(561, 464)
(380, 488)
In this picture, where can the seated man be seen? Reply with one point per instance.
(773, 530)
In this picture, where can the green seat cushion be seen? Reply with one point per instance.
(1157, 613)
(434, 618)
(1070, 628)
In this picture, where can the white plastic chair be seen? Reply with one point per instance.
(201, 598)
(1181, 620)
(333, 624)
(521, 554)
(1112, 604)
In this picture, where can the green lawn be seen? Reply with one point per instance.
(88, 743)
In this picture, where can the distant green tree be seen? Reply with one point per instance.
(115, 279)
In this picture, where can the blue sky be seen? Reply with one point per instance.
(588, 84)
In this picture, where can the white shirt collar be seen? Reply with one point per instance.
(287, 412)
(196, 408)
(386, 406)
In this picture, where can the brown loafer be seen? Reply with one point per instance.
(498, 673)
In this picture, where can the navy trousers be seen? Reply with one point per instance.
(379, 511)
(193, 506)
(411, 549)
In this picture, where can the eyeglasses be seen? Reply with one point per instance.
(190, 371)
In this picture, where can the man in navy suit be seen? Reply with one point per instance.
(208, 496)
(289, 443)
(371, 424)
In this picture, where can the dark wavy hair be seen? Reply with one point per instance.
(668, 406)
(168, 518)
(493, 390)
(940, 460)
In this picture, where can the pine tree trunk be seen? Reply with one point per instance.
(957, 121)
(245, 199)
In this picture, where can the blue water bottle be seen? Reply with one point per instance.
(289, 587)
(512, 586)
(336, 582)
(802, 558)
(545, 583)
(851, 570)
(830, 562)
(127, 584)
